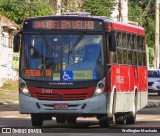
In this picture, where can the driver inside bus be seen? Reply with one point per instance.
(35, 59)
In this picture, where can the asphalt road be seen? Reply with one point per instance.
(148, 117)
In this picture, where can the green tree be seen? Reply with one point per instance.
(143, 12)
(135, 11)
(99, 7)
(151, 56)
(18, 10)
(69, 6)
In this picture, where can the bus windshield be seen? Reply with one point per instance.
(62, 57)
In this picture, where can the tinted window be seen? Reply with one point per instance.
(153, 74)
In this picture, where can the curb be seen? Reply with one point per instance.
(7, 103)
(4, 103)
(153, 104)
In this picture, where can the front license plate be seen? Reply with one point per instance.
(61, 106)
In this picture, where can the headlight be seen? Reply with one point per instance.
(23, 88)
(25, 91)
(98, 91)
(100, 87)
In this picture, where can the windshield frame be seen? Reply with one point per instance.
(62, 34)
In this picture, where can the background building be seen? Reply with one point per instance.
(7, 31)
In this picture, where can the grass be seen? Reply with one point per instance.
(8, 96)
(9, 91)
(9, 87)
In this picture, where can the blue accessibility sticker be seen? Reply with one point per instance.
(94, 75)
(67, 75)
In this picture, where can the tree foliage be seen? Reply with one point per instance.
(151, 56)
(18, 10)
(99, 7)
(69, 6)
(144, 12)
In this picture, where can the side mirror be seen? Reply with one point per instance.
(112, 42)
(16, 42)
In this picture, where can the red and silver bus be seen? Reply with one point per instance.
(81, 66)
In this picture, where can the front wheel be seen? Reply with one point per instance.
(37, 120)
(104, 122)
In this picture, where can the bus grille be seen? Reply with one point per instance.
(60, 97)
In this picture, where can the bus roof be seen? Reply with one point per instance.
(115, 25)
(109, 24)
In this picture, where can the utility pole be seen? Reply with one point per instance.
(157, 35)
(59, 7)
(119, 9)
(124, 11)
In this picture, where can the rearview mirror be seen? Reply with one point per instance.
(17, 42)
(112, 42)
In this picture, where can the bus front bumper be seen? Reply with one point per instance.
(94, 105)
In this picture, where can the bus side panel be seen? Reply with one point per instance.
(119, 75)
(114, 74)
(143, 91)
(114, 86)
(124, 82)
(124, 94)
(131, 79)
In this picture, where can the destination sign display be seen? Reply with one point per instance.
(38, 73)
(66, 24)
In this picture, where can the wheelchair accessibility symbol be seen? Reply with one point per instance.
(67, 75)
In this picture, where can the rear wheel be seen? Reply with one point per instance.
(37, 120)
(119, 118)
(104, 122)
(130, 118)
(158, 93)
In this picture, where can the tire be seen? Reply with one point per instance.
(60, 119)
(158, 93)
(37, 120)
(71, 120)
(104, 122)
(119, 119)
(130, 118)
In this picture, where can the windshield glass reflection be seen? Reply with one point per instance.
(62, 57)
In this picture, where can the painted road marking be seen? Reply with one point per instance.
(13, 117)
(156, 119)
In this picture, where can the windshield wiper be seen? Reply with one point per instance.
(47, 44)
(76, 43)
(48, 47)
